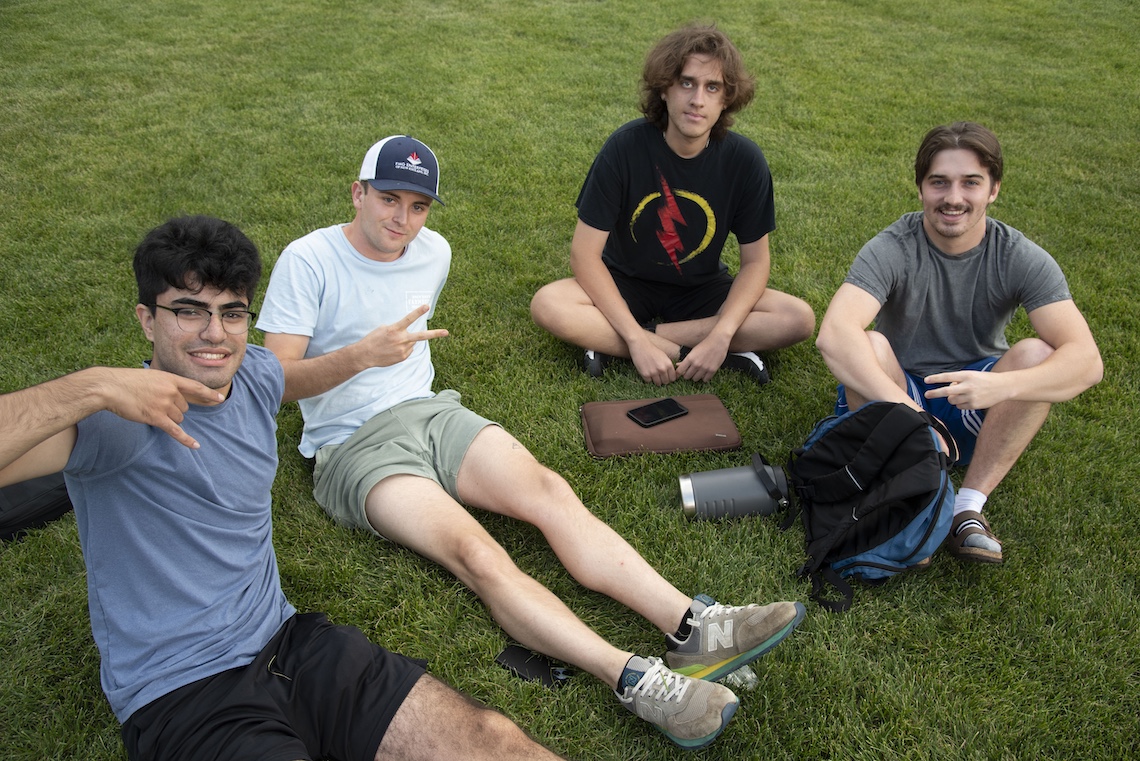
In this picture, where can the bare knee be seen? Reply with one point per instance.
(492, 730)
(551, 304)
(540, 305)
(551, 486)
(1028, 352)
(436, 721)
(481, 563)
(880, 344)
(801, 321)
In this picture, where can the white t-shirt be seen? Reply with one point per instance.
(323, 288)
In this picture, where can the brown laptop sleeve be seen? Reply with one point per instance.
(707, 427)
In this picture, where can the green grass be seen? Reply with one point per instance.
(115, 116)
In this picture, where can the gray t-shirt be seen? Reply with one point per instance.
(181, 574)
(942, 312)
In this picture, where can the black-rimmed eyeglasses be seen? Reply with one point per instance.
(196, 319)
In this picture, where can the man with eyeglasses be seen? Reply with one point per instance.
(170, 469)
(346, 311)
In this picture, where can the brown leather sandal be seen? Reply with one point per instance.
(967, 524)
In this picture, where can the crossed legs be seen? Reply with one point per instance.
(563, 308)
(1008, 428)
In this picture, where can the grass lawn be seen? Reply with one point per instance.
(115, 116)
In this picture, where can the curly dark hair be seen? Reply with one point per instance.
(194, 252)
(666, 60)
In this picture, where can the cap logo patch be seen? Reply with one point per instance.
(412, 164)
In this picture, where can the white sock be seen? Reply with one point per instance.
(972, 499)
(969, 499)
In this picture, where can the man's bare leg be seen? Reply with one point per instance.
(436, 722)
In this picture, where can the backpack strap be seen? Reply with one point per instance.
(820, 577)
(913, 480)
(762, 468)
(939, 426)
(909, 481)
(876, 450)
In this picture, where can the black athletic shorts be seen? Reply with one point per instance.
(663, 302)
(315, 691)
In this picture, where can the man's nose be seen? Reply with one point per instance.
(214, 330)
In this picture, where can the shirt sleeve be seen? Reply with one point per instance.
(599, 200)
(293, 297)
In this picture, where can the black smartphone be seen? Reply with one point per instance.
(657, 412)
(532, 666)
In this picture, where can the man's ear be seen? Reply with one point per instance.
(146, 318)
(994, 192)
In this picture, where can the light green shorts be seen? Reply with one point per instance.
(420, 437)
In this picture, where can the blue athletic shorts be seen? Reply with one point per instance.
(963, 424)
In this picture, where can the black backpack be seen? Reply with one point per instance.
(31, 504)
(874, 491)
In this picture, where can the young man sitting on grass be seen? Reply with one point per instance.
(170, 469)
(941, 286)
(346, 313)
(654, 214)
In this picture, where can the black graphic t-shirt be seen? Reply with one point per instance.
(669, 217)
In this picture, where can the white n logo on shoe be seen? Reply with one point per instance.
(719, 635)
(651, 712)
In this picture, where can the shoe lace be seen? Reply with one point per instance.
(716, 609)
(662, 684)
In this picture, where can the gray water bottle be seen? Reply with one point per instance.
(757, 489)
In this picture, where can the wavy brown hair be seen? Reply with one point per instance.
(969, 135)
(665, 61)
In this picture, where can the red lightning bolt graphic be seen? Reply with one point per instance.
(669, 214)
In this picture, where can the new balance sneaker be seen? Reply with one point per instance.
(690, 712)
(595, 363)
(724, 638)
(749, 363)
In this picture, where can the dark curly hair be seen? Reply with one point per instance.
(193, 252)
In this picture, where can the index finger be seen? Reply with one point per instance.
(198, 393)
(412, 316)
(953, 377)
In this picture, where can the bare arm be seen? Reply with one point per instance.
(590, 271)
(747, 288)
(1074, 366)
(38, 430)
(386, 345)
(847, 349)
